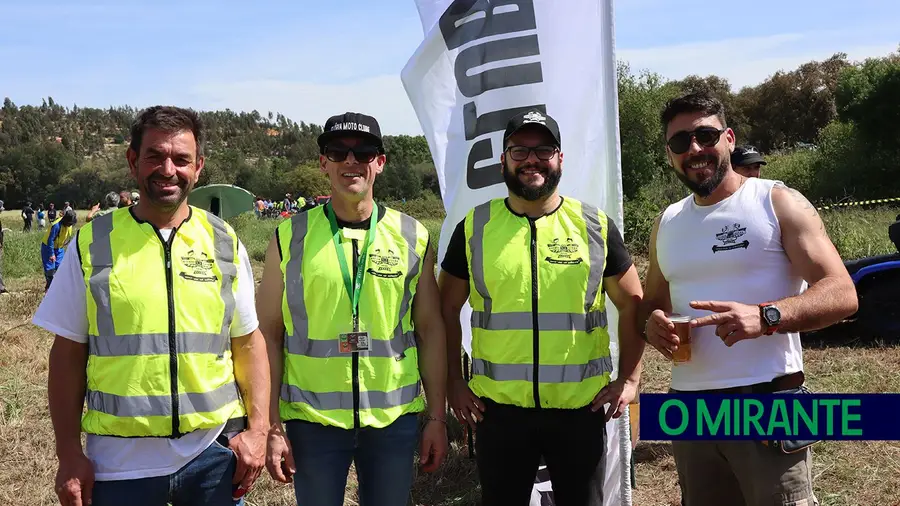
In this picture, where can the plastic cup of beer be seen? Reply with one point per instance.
(683, 330)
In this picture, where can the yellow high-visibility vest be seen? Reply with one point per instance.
(539, 322)
(62, 239)
(323, 383)
(159, 317)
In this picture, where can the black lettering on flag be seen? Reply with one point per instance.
(489, 22)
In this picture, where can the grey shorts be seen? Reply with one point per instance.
(742, 473)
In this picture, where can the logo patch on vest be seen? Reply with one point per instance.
(729, 236)
(383, 263)
(199, 267)
(563, 252)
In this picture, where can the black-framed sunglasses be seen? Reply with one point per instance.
(706, 137)
(362, 153)
(521, 153)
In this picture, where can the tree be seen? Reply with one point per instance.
(867, 95)
(641, 98)
(791, 107)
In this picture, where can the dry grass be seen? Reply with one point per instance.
(847, 473)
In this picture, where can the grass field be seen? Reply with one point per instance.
(846, 474)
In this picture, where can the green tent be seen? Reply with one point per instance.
(223, 200)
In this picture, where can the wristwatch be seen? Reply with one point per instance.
(771, 316)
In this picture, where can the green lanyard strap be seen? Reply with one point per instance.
(354, 287)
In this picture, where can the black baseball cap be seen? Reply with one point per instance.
(532, 117)
(746, 155)
(351, 123)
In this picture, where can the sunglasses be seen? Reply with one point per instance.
(521, 153)
(705, 136)
(362, 154)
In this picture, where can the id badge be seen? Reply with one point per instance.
(354, 341)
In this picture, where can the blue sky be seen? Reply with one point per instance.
(310, 59)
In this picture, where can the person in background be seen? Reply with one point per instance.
(746, 161)
(51, 213)
(125, 198)
(27, 217)
(110, 203)
(40, 216)
(67, 207)
(53, 247)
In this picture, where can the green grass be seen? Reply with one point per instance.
(859, 233)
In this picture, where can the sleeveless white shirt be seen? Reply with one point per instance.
(729, 251)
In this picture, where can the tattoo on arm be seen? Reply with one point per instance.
(807, 206)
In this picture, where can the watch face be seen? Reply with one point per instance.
(773, 315)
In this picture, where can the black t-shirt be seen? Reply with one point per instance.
(456, 264)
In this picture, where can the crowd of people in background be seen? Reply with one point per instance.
(60, 228)
(268, 208)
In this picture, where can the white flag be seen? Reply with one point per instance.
(480, 63)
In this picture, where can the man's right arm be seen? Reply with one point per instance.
(271, 324)
(67, 380)
(657, 303)
(454, 293)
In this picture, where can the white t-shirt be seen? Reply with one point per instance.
(729, 251)
(64, 312)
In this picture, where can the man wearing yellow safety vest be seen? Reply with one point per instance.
(156, 328)
(537, 269)
(349, 307)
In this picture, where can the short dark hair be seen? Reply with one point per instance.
(169, 119)
(692, 103)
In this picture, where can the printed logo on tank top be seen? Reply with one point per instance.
(563, 252)
(729, 237)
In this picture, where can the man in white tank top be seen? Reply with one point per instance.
(736, 256)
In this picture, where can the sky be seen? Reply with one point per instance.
(312, 59)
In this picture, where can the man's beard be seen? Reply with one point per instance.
(165, 201)
(708, 185)
(551, 181)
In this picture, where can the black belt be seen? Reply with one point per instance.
(781, 383)
(232, 428)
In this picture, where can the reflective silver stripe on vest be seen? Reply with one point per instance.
(101, 267)
(570, 373)
(371, 399)
(596, 253)
(480, 217)
(325, 348)
(409, 233)
(225, 251)
(293, 276)
(161, 405)
(546, 321)
(156, 344)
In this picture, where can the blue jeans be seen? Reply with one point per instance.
(384, 462)
(204, 481)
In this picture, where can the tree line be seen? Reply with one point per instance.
(829, 128)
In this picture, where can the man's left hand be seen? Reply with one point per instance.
(618, 394)
(434, 446)
(250, 449)
(734, 321)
